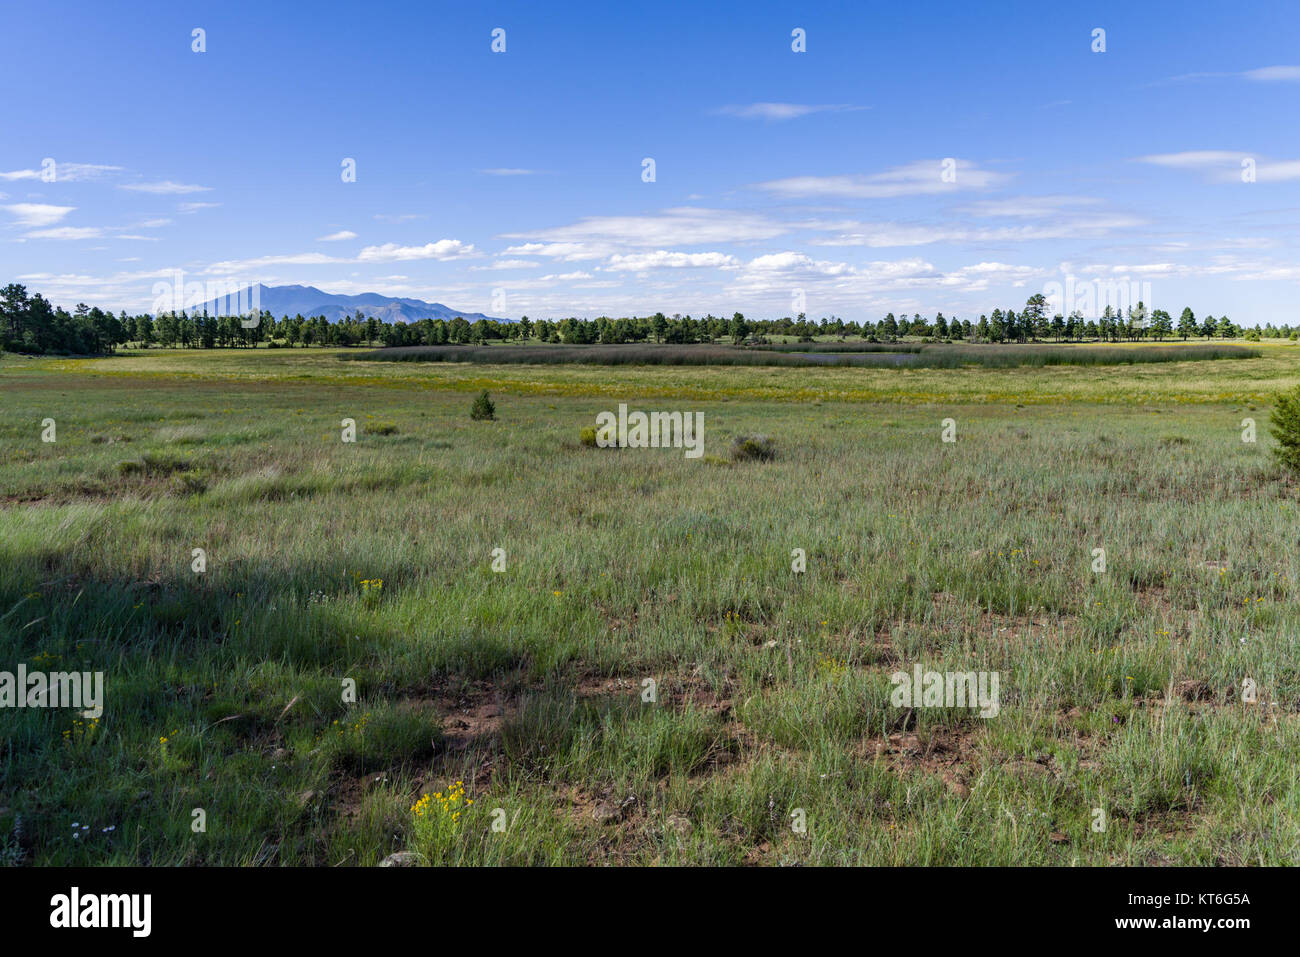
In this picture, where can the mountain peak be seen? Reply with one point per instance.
(308, 301)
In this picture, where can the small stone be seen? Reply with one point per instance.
(610, 812)
(401, 859)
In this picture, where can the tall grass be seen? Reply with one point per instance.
(810, 354)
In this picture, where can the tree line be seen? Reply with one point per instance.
(29, 323)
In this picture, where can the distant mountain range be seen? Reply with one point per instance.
(308, 301)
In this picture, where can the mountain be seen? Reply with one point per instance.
(307, 301)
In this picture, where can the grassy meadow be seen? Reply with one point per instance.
(516, 699)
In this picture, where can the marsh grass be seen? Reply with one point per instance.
(813, 353)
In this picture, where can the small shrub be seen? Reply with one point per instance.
(188, 483)
(383, 428)
(748, 448)
(588, 437)
(483, 408)
(1286, 429)
(153, 464)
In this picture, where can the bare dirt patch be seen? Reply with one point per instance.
(950, 754)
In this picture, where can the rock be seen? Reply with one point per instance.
(611, 812)
(401, 859)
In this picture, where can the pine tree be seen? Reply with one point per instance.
(1285, 418)
(483, 408)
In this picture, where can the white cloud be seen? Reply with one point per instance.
(1274, 73)
(195, 207)
(664, 259)
(38, 214)
(507, 264)
(229, 266)
(1027, 206)
(566, 252)
(1194, 159)
(64, 172)
(1225, 166)
(67, 232)
(164, 187)
(784, 111)
(919, 178)
(443, 250)
(895, 234)
(337, 237)
(680, 226)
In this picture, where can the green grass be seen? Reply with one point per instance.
(527, 684)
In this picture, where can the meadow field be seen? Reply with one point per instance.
(575, 655)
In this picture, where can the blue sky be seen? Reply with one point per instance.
(512, 183)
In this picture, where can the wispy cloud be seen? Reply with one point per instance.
(679, 226)
(164, 187)
(563, 252)
(1028, 207)
(1274, 74)
(443, 249)
(919, 178)
(1263, 74)
(67, 232)
(502, 264)
(883, 235)
(776, 112)
(341, 235)
(1225, 166)
(1194, 159)
(665, 259)
(64, 172)
(38, 214)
